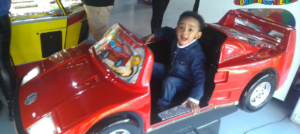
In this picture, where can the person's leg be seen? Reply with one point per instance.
(8, 82)
(166, 5)
(98, 19)
(104, 20)
(196, 5)
(158, 74)
(157, 14)
(7, 76)
(170, 86)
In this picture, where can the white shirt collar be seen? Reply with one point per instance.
(179, 46)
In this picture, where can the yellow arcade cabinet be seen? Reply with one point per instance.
(43, 27)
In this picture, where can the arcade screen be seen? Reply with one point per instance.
(72, 5)
(24, 9)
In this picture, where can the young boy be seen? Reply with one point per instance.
(186, 70)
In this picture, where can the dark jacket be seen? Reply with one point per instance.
(98, 3)
(187, 63)
(4, 7)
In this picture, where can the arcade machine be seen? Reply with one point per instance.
(43, 27)
(281, 11)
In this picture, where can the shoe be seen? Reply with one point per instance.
(162, 108)
(157, 109)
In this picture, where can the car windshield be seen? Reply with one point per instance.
(121, 53)
(248, 24)
(251, 39)
(259, 28)
(240, 35)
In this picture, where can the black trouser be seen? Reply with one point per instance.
(158, 9)
(7, 76)
(196, 6)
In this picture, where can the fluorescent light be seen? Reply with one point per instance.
(43, 126)
(30, 75)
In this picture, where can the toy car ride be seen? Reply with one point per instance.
(85, 89)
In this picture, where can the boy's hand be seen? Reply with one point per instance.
(193, 106)
(148, 38)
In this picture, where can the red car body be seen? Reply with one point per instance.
(75, 87)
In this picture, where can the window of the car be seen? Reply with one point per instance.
(239, 35)
(121, 53)
(276, 34)
(248, 24)
(258, 28)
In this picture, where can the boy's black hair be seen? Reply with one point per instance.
(194, 15)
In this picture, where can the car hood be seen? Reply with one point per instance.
(63, 78)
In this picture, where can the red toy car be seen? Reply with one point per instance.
(74, 91)
(118, 53)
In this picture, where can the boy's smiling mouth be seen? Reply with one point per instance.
(183, 39)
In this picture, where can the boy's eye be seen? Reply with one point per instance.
(181, 27)
(190, 30)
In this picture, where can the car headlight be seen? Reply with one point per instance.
(43, 126)
(31, 74)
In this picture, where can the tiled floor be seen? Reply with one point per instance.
(272, 119)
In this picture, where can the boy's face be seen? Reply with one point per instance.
(187, 30)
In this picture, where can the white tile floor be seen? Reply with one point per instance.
(272, 119)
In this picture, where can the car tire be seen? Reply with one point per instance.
(125, 128)
(258, 92)
(118, 62)
(105, 54)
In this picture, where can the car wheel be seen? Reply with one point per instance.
(126, 128)
(118, 62)
(105, 54)
(258, 92)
